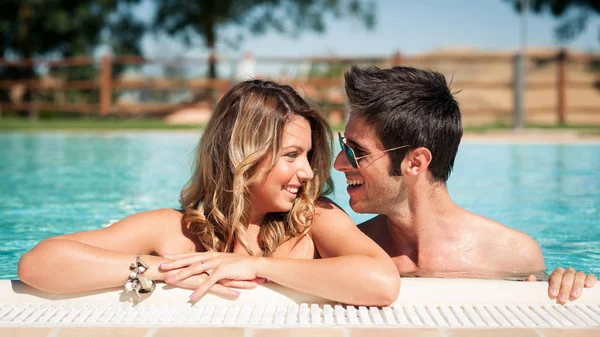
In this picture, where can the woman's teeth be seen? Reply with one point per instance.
(292, 190)
(354, 182)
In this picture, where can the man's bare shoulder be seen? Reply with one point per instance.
(510, 248)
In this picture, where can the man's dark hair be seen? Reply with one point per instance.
(408, 106)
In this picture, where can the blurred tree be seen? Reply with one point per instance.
(65, 28)
(574, 14)
(186, 19)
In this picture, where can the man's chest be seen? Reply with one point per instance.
(442, 263)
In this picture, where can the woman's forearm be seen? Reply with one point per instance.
(66, 266)
(336, 278)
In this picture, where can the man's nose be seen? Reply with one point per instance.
(341, 162)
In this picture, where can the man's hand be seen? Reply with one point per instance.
(565, 285)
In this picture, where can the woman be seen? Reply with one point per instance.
(252, 210)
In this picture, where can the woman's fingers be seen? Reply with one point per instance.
(205, 286)
(217, 289)
(193, 269)
(238, 284)
(221, 290)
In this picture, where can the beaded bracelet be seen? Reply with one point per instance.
(137, 280)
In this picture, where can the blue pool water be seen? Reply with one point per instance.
(53, 183)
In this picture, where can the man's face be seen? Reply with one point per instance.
(370, 186)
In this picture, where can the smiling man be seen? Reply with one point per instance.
(397, 153)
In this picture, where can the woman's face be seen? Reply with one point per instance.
(278, 188)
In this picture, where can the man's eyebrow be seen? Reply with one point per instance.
(355, 145)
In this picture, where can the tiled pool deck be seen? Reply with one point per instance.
(426, 307)
(291, 332)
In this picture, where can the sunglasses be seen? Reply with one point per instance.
(352, 158)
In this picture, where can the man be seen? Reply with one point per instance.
(397, 154)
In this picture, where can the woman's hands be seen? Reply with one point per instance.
(221, 288)
(213, 272)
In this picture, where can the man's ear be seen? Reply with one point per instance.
(417, 161)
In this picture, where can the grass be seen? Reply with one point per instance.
(107, 124)
(7, 124)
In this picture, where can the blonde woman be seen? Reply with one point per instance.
(252, 210)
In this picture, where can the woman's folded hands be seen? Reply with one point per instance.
(212, 272)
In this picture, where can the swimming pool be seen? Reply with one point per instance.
(56, 182)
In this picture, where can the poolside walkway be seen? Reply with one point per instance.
(292, 332)
(545, 136)
(426, 307)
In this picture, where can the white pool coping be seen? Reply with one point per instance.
(423, 302)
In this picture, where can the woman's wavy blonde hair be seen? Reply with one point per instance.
(245, 128)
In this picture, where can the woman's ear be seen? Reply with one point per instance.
(417, 161)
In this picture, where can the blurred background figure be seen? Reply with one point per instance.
(246, 68)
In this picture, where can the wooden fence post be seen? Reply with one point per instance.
(397, 59)
(519, 91)
(561, 88)
(105, 84)
(33, 108)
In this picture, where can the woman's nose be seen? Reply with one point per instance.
(305, 173)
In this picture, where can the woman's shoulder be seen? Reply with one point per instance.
(167, 224)
(158, 217)
(324, 204)
(326, 211)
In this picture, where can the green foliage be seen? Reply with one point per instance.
(574, 14)
(187, 19)
(328, 70)
(67, 27)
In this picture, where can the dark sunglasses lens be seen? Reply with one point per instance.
(350, 155)
(348, 151)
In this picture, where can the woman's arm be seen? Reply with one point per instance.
(100, 258)
(353, 268)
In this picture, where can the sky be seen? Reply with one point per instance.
(408, 26)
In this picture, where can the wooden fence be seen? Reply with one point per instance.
(561, 86)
